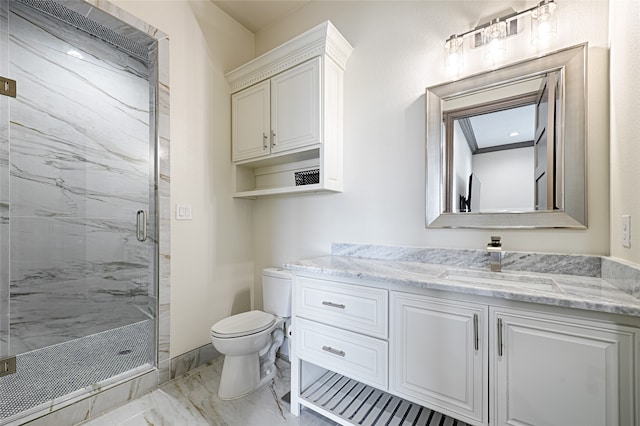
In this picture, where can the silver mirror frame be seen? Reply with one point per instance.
(572, 61)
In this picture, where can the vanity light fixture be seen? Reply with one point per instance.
(543, 22)
(493, 34)
(453, 53)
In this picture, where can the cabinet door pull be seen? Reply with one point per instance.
(265, 144)
(273, 138)
(499, 336)
(334, 305)
(476, 338)
(333, 351)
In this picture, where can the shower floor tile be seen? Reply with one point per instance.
(58, 370)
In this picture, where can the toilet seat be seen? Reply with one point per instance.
(242, 324)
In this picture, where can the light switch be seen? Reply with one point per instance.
(626, 230)
(183, 212)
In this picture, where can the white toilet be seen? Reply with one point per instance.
(249, 340)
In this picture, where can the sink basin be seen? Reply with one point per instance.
(499, 279)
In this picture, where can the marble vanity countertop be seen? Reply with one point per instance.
(572, 291)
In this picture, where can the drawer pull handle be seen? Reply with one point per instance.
(334, 305)
(333, 351)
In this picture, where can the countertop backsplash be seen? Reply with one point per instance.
(624, 275)
(566, 264)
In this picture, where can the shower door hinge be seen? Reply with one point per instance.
(7, 87)
(7, 366)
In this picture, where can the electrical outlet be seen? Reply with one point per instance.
(626, 230)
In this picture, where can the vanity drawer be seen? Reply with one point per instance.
(351, 307)
(360, 357)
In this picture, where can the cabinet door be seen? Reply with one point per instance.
(549, 370)
(295, 107)
(250, 122)
(438, 355)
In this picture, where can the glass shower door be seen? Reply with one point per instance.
(77, 198)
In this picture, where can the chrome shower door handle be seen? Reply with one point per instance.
(141, 225)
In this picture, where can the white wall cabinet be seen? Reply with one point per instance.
(439, 354)
(287, 115)
(277, 115)
(556, 370)
(483, 361)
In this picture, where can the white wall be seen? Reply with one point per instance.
(462, 165)
(510, 186)
(398, 52)
(625, 124)
(212, 268)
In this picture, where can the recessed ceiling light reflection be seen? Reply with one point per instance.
(75, 54)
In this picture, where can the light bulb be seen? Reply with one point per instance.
(544, 28)
(494, 38)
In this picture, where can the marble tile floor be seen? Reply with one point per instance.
(192, 400)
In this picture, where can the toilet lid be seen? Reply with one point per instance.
(242, 324)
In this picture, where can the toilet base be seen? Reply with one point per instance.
(241, 376)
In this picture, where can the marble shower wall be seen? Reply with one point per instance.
(80, 169)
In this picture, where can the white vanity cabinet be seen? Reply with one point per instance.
(277, 115)
(390, 349)
(287, 116)
(558, 370)
(439, 354)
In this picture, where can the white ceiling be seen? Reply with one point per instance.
(257, 14)
(494, 129)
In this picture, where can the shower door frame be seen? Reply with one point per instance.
(141, 381)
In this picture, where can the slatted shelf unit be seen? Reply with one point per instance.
(348, 401)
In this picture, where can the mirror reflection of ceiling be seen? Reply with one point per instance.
(504, 127)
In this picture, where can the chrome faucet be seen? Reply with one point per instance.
(495, 254)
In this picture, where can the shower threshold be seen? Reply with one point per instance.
(75, 368)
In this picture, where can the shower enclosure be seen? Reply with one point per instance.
(78, 202)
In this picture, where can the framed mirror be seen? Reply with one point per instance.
(507, 148)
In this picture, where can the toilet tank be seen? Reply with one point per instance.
(276, 292)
